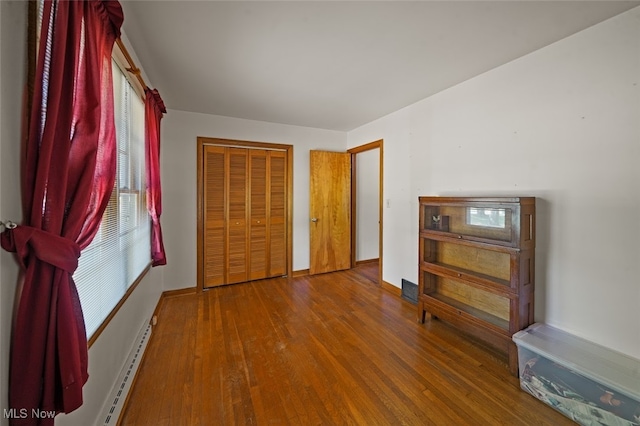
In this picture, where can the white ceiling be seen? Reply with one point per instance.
(335, 64)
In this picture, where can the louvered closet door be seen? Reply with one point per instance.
(214, 221)
(245, 215)
(237, 230)
(258, 212)
(277, 213)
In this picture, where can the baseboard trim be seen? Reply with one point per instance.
(362, 262)
(167, 294)
(391, 288)
(300, 273)
(179, 292)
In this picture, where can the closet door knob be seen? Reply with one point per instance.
(314, 219)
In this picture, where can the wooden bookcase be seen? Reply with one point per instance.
(476, 266)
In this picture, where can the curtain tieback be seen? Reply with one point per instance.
(53, 249)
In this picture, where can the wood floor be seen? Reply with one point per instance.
(331, 349)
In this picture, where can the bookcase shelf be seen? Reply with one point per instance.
(477, 315)
(485, 282)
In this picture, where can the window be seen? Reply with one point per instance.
(487, 217)
(120, 251)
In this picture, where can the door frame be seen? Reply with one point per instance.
(231, 143)
(354, 152)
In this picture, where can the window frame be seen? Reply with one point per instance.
(123, 60)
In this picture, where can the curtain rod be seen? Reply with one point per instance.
(132, 66)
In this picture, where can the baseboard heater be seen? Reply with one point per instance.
(410, 291)
(117, 397)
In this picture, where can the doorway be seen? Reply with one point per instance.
(367, 171)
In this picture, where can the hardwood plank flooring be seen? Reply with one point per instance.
(330, 349)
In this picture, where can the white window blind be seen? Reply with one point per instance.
(120, 251)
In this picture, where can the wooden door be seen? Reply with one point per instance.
(267, 240)
(245, 215)
(225, 216)
(237, 212)
(277, 207)
(214, 229)
(330, 210)
(258, 214)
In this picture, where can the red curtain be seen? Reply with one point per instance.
(68, 172)
(154, 109)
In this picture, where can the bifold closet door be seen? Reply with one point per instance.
(267, 210)
(258, 211)
(277, 213)
(214, 202)
(245, 215)
(237, 213)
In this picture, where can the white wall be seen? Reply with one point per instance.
(399, 251)
(367, 204)
(108, 354)
(561, 124)
(179, 179)
(13, 24)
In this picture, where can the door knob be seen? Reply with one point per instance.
(314, 219)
